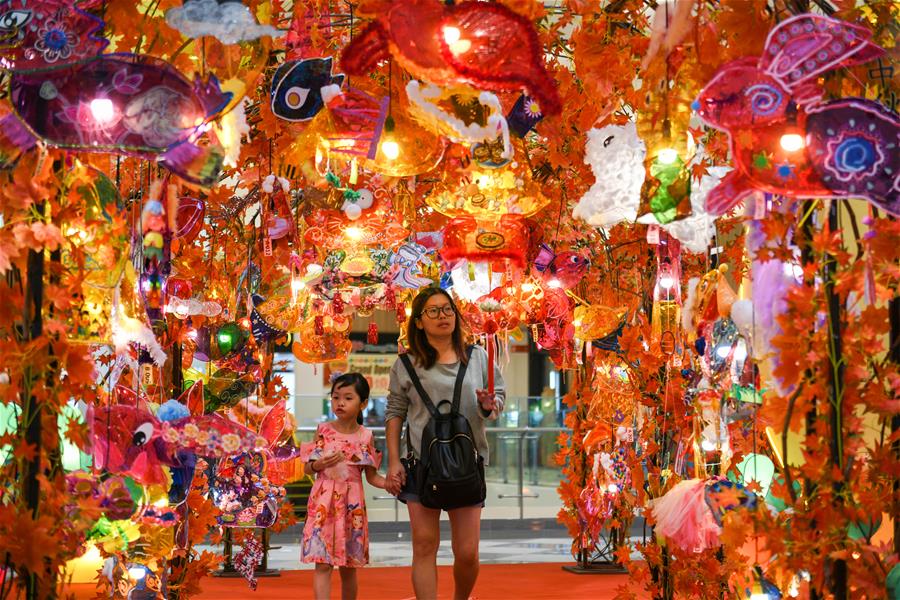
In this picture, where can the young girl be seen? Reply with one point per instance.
(336, 533)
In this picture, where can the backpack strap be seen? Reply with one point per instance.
(414, 377)
(460, 375)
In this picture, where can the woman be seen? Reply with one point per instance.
(437, 347)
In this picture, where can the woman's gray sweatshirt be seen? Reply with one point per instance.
(404, 403)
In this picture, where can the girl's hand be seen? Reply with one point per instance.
(328, 461)
(396, 478)
(486, 400)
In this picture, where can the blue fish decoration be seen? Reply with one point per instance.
(297, 88)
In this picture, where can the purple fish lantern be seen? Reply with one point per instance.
(64, 93)
(785, 140)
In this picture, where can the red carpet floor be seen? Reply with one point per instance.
(543, 581)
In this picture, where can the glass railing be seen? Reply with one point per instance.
(522, 475)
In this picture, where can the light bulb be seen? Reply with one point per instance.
(102, 110)
(161, 503)
(740, 352)
(666, 282)
(613, 488)
(554, 284)
(453, 38)
(527, 287)
(791, 142)
(297, 285)
(408, 311)
(390, 149)
(759, 596)
(667, 156)
(137, 573)
(353, 233)
(451, 34)
(707, 445)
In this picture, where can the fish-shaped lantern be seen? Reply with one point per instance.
(784, 138)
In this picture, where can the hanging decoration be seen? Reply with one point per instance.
(784, 138)
(487, 45)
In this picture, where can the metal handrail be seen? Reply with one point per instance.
(488, 429)
(504, 433)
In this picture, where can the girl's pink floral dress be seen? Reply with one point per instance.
(337, 528)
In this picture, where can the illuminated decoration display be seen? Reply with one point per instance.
(487, 45)
(784, 138)
(298, 88)
(183, 198)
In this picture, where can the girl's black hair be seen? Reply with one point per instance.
(359, 384)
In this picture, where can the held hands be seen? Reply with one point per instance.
(396, 478)
(487, 401)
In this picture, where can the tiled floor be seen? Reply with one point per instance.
(503, 541)
(399, 553)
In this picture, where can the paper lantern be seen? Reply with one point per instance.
(130, 439)
(758, 468)
(462, 114)
(784, 138)
(405, 149)
(505, 239)
(487, 193)
(112, 104)
(297, 88)
(615, 154)
(485, 44)
(326, 345)
(563, 270)
(613, 399)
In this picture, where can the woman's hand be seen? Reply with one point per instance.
(396, 478)
(486, 400)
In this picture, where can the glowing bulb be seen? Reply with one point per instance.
(390, 149)
(453, 38)
(740, 352)
(408, 311)
(527, 287)
(759, 596)
(667, 156)
(353, 233)
(224, 338)
(791, 142)
(707, 445)
(666, 282)
(613, 488)
(102, 110)
(554, 284)
(451, 35)
(137, 573)
(161, 503)
(723, 351)
(297, 285)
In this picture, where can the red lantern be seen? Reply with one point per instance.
(505, 239)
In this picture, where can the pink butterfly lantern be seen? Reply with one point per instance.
(784, 138)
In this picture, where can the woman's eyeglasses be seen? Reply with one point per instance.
(433, 311)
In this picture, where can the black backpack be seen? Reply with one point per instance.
(449, 473)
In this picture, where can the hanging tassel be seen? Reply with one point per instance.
(319, 325)
(390, 298)
(373, 333)
(490, 353)
(337, 305)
